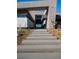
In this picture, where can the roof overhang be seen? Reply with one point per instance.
(35, 4)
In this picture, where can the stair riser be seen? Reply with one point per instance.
(40, 35)
(40, 39)
(43, 43)
(39, 50)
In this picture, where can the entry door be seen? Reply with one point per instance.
(38, 22)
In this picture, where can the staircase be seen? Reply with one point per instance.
(39, 45)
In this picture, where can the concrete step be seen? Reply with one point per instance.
(41, 42)
(38, 48)
(38, 55)
(40, 32)
(35, 35)
(40, 38)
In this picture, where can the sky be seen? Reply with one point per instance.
(58, 6)
(58, 9)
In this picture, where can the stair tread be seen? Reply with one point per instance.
(39, 55)
(37, 46)
(41, 41)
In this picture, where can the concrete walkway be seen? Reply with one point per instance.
(39, 45)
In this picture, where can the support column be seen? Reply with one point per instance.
(51, 14)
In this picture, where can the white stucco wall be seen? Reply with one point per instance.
(22, 22)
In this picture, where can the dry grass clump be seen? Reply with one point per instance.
(55, 32)
(22, 34)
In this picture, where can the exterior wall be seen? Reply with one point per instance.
(21, 22)
(24, 22)
(30, 23)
